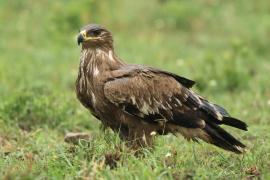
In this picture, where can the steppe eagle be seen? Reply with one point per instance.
(138, 101)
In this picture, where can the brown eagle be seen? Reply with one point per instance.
(139, 101)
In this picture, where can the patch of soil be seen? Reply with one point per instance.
(253, 173)
(111, 159)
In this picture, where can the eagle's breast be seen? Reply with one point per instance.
(95, 67)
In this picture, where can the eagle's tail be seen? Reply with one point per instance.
(219, 115)
(230, 121)
(214, 116)
(219, 137)
(214, 113)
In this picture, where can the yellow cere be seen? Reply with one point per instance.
(83, 33)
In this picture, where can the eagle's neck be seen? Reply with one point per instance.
(94, 64)
(95, 61)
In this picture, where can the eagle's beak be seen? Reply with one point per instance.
(80, 39)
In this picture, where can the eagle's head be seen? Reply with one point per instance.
(95, 36)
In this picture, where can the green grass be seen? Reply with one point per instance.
(223, 45)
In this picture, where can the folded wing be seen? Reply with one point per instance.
(156, 96)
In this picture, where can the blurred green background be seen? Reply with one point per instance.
(222, 45)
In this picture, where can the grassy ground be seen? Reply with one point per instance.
(223, 45)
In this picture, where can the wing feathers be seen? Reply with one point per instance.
(159, 97)
(184, 81)
(188, 120)
(146, 94)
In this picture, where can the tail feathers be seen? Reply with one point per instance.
(234, 123)
(219, 115)
(219, 137)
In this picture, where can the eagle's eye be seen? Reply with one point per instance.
(93, 33)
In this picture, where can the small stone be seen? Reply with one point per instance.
(75, 137)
